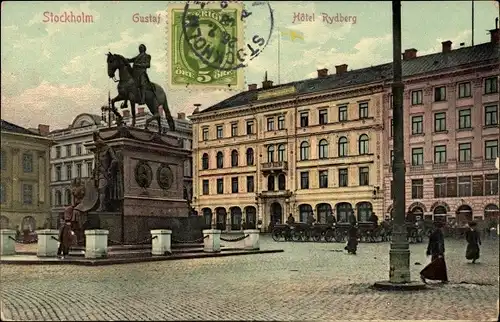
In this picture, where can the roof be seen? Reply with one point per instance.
(411, 67)
(10, 127)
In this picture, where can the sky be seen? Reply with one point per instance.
(51, 72)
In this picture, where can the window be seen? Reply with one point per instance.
(464, 186)
(343, 177)
(304, 119)
(78, 149)
(342, 113)
(234, 185)
(281, 153)
(417, 124)
(220, 186)
(417, 156)
(68, 197)
(323, 149)
(392, 156)
(440, 122)
(205, 134)
(206, 187)
(220, 160)
(364, 176)
(270, 123)
(440, 94)
(69, 171)
(392, 128)
(281, 122)
(464, 90)
(270, 182)
(89, 169)
(281, 182)
(78, 170)
(464, 152)
(2, 194)
(27, 162)
(234, 158)
(363, 110)
(417, 189)
(416, 97)
(323, 178)
(363, 144)
(204, 161)
(491, 184)
(304, 180)
(58, 152)
(491, 149)
(27, 194)
(464, 119)
(491, 85)
(58, 196)
(250, 184)
(250, 158)
(323, 117)
(491, 115)
(250, 127)
(234, 129)
(439, 187)
(58, 173)
(440, 154)
(220, 131)
(478, 185)
(343, 147)
(68, 150)
(304, 151)
(270, 153)
(3, 160)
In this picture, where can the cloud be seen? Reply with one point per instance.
(458, 38)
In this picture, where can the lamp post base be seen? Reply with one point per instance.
(389, 286)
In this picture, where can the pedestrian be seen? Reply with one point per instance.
(473, 241)
(436, 270)
(290, 220)
(310, 219)
(352, 240)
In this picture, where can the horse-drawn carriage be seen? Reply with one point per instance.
(301, 231)
(415, 232)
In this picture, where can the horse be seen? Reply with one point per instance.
(128, 91)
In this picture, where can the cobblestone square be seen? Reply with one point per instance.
(309, 281)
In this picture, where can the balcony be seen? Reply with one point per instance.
(275, 166)
(489, 164)
(439, 166)
(417, 168)
(276, 194)
(465, 164)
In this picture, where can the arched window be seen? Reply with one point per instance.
(204, 161)
(365, 210)
(270, 153)
(363, 144)
(270, 183)
(234, 158)
(58, 201)
(250, 159)
(323, 149)
(343, 148)
(68, 197)
(304, 151)
(281, 181)
(220, 160)
(281, 153)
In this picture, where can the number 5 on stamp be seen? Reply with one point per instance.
(215, 33)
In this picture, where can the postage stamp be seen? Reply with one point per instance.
(186, 69)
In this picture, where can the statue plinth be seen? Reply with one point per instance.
(150, 176)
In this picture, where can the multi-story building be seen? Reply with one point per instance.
(451, 131)
(304, 147)
(70, 159)
(24, 187)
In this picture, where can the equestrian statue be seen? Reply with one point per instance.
(134, 86)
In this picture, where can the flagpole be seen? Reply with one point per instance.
(279, 56)
(472, 22)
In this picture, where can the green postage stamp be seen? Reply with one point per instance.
(214, 32)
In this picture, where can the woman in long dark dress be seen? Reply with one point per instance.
(436, 270)
(352, 240)
(473, 241)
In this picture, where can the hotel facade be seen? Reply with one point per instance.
(451, 130)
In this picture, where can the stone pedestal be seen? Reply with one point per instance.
(96, 243)
(252, 241)
(161, 243)
(47, 243)
(211, 244)
(7, 238)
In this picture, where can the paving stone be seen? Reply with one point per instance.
(309, 281)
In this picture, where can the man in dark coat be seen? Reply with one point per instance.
(290, 220)
(436, 270)
(352, 240)
(473, 241)
(310, 219)
(330, 219)
(141, 63)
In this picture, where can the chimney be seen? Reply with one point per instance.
(43, 129)
(322, 72)
(126, 113)
(340, 69)
(140, 110)
(446, 46)
(181, 116)
(495, 36)
(410, 54)
(267, 83)
(252, 87)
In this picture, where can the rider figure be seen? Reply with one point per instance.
(141, 63)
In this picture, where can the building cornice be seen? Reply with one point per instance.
(42, 139)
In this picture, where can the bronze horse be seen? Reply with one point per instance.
(128, 91)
